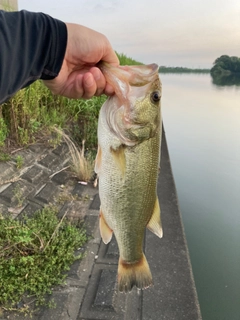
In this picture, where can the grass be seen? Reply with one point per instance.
(84, 124)
(35, 255)
(3, 131)
(4, 157)
(30, 110)
(19, 162)
(33, 111)
(125, 60)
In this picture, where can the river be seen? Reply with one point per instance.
(202, 125)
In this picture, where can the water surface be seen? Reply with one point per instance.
(202, 124)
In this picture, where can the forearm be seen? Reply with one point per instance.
(32, 46)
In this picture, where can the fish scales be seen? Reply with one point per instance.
(128, 171)
(125, 195)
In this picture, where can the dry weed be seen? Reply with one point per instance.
(81, 165)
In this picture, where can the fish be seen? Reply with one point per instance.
(127, 165)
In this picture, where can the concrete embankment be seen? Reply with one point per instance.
(90, 291)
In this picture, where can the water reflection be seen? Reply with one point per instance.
(202, 124)
(229, 80)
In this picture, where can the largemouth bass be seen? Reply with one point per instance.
(127, 164)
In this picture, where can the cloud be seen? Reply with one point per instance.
(106, 7)
(186, 33)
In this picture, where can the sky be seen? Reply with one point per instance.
(186, 33)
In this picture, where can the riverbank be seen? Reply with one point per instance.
(164, 69)
(90, 290)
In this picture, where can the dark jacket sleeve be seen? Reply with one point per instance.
(32, 46)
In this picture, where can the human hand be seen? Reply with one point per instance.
(79, 77)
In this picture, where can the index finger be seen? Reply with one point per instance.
(110, 56)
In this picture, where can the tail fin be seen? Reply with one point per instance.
(134, 274)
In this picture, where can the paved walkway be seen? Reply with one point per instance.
(90, 292)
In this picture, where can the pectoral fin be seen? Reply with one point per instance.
(119, 157)
(98, 160)
(155, 224)
(106, 232)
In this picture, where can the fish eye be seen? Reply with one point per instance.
(155, 96)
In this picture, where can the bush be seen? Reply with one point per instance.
(34, 254)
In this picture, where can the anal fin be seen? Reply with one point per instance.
(105, 231)
(155, 224)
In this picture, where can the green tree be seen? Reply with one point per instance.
(226, 70)
(226, 63)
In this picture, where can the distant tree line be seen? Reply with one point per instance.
(164, 69)
(226, 65)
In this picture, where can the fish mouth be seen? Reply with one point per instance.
(125, 79)
(138, 75)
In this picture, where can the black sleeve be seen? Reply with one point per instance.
(32, 46)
